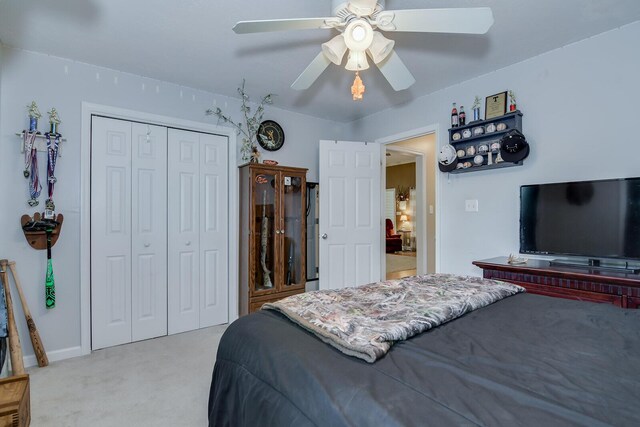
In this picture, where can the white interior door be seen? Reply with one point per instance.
(214, 230)
(350, 222)
(184, 227)
(149, 232)
(110, 232)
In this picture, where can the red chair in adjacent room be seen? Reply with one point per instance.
(394, 241)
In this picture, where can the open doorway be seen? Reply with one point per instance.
(400, 213)
(410, 206)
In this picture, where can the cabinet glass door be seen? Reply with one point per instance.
(293, 232)
(265, 225)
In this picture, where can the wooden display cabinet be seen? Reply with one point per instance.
(272, 234)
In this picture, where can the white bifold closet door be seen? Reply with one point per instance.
(128, 232)
(198, 230)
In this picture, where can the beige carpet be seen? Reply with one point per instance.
(160, 382)
(400, 263)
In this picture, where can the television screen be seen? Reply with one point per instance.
(598, 219)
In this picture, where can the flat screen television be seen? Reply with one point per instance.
(591, 219)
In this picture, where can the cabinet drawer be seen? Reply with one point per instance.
(569, 293)
(257, 305)
(633, 302)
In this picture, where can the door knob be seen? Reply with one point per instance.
(188, 243)
(277, 231)
(324, 236)
(282, 231)
(146, 245)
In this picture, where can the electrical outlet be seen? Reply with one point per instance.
(471, 205)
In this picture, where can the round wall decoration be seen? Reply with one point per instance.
(270, 135)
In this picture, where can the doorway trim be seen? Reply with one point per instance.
(88, 111)
(403, 136)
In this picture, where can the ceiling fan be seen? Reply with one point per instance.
(360, 23)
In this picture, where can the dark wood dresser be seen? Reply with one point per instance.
(585, 284)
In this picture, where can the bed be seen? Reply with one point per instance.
(525, 360)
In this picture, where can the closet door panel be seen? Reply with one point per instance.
(214, 230)
(149, 231)
(110, 232)
(184, 223)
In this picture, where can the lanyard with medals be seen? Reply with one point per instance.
(52, 157)
(31, 167)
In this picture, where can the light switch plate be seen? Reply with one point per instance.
(471, 205)
(287, 180)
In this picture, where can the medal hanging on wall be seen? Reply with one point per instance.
(49, 213)
(29, 140)
(52, 158)
(31, 167)
(30, 154)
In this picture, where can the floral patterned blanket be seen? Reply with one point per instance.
(367, 320)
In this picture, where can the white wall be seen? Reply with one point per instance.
(65, 84)
(580, 117)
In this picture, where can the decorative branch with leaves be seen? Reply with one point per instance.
(248, 129)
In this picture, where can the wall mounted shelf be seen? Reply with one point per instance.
(37, 238)
(512, 120)
(41, 143)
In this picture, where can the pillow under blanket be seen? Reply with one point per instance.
(365, 321)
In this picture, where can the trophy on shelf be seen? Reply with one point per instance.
(476, 109)
(34, 115)
(512, 104)
(54, 121)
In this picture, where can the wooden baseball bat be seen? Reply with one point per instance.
(38, 347)
(15, 349)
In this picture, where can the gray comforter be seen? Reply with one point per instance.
(527, 360)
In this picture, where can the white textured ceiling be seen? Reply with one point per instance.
(190, 42)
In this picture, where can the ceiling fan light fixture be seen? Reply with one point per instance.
(335, 49)
(357, 61)
(358, 35)
(381, 47)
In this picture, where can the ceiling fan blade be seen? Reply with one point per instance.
(475, 20)
(396, 72)
(246, 27)
(312, 72)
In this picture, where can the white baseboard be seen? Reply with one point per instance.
(54, 356)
